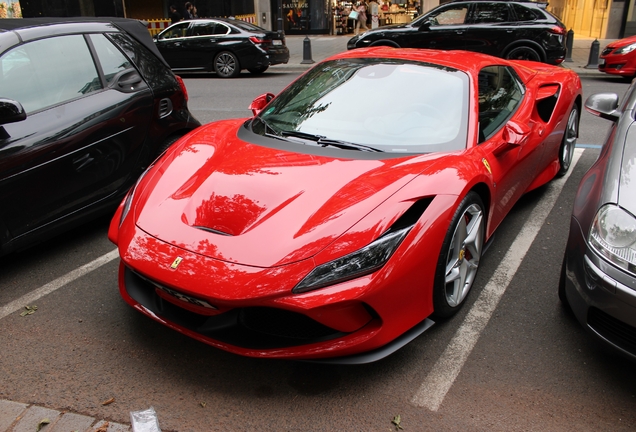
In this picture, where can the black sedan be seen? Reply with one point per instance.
(519, 30)
(598, 277)
(225, 46)
(85, 106)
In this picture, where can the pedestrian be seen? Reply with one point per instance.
(174, 15)
(361, 22)
(187, 15)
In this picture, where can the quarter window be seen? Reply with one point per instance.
(110, 58)
(500, 93)
(48, 72)
(523, 13)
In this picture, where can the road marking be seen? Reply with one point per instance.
(443, 374)
(56, 284)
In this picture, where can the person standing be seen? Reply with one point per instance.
(174, 15)
(187, 15)
(361, 22)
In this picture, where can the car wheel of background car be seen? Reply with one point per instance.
(523, 53)
(459, 258)
(562, 296)
(226, 65)
(166, 144)
(259, 70)
(566, 152)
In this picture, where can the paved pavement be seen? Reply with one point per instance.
(24, 417)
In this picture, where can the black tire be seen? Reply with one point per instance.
(226, 65)
(458, 260)
(562, 296)
(258, 70)
(166, 144)
(566, 151)
(523, 52)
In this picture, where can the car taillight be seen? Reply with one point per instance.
(258, 41)
(183, 87)
(557, 30)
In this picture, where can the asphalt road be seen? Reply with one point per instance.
(530, 366)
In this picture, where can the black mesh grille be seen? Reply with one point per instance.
(612, 329)
(250, 327)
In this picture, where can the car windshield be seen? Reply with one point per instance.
(389, 105)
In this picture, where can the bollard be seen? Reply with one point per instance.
(592, 62)
(569, 42)
(307, 51)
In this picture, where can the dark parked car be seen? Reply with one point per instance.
(520, 30)
(225, 46)
(598, 278)
(85, 107)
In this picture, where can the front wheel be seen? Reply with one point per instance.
(566, 151)
(458, 261)
(523, 53)
(226, 65)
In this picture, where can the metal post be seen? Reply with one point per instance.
(279, 20)
(569, 42)
(592, 62)
(307, 51)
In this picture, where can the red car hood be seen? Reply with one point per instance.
(622, 42)
(231, 200)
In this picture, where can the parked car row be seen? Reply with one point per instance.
(311, 231)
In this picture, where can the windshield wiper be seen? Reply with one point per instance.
(325, 142)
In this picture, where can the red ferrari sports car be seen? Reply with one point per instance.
(319, 229)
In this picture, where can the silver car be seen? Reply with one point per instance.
(598, 277)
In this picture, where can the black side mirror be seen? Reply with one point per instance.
(11, 111)
(427, 23)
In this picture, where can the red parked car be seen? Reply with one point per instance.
(619, 58)
(317, 229)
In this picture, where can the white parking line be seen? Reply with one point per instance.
(443, 374)
(58, 283)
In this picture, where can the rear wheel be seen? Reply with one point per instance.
(226, 65)
(566, 152)
(523, 53)
(258, 70)
(458, 261)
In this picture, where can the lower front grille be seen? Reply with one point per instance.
(248, 327)
(615, 331)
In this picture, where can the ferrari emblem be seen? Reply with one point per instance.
(462, 254)
(487, 165)
(176, 263)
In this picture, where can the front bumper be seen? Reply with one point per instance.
(602, 297)
(621, 65)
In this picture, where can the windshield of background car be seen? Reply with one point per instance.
(390, 104)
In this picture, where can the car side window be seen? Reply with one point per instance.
(203, 28)
(452, 15)
(178, 30)
(500, 93)
(47, 72)
(221, 29)
(490, 13)
(523, 13)
(110, 58)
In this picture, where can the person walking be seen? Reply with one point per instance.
(361, 22)
(174, 15)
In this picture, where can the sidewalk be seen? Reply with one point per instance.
(323, 46)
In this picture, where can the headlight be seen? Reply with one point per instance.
(613, 235)
(359, 263)
(626, 49)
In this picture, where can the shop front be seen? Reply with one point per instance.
(301, 17)
(378, 13)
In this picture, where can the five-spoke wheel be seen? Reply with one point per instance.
(569, 141)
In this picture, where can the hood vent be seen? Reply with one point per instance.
(213, 231)
(165, 108)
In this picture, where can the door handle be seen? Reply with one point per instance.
(508, 31)
(460, 32)
(212, 40)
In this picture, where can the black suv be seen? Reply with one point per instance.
(520, 30)
(85, 106)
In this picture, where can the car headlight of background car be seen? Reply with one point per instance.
(613, 236)
(626, 49)
(359, 263)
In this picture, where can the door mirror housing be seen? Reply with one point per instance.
(261, 102)
(603, 105)
(11, 111)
